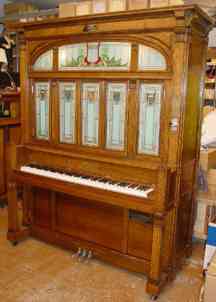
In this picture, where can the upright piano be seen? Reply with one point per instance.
(111, 114)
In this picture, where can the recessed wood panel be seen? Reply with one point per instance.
(91, 221)
(42, 207)
(140, 239)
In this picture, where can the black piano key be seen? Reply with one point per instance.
(111, 182)
(123, 184)
(143, 188)
(133, 186)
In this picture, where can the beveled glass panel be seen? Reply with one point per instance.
(42, 110)
(90, 113)
(115, 116)
(151, 59)
(44, 61)
(149, 119)
(95, 56)
(67, 99)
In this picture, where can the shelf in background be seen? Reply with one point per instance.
(9, 121)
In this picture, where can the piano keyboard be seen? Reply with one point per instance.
(91, 181)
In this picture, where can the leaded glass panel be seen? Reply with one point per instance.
(149, 119)
(151, 59)
(95, 56)
(115, 117)
(67, 112)
(90, 113)
(44, 62)
(42, 110)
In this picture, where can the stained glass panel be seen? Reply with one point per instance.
(90, 113)
(151, 59)
(67, 112)
(149, 120)
(44, 62)
(115, 121)
(42, 110)
(93, 56)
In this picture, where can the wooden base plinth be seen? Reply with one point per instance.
(18, 236)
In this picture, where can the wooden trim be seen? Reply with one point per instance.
(126, 15)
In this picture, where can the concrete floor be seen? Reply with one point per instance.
(37, 272)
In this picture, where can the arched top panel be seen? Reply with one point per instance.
(44, 61)
(101, 56)
(151, 59)
(98, 55)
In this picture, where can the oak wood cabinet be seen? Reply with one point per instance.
(114, 97)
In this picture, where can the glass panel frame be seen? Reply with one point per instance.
(42, 107)
(150, 59)
(116, 99)
(95, 56)
(150, 103)
(67, 112)
(46, 60)
(90, 104)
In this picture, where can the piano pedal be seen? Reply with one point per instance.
(77, 254)
(82, 256)
(89, 257)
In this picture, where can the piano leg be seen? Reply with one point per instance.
(27, 205)
(15, 231)
(154, 282)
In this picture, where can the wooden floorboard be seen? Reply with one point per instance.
(34, 271)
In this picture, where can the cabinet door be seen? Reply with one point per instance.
(90, 113)
(115, 115)
(149, 118)
(42, 98)
(67, 98)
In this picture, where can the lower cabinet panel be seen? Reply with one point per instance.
(94, 222)
(140, 235)
(91, 221)
(42, 208)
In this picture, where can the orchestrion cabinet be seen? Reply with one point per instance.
(111, 117)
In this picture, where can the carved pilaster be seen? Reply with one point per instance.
(155, 276)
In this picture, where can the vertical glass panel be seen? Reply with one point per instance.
(116, 105)
(42, 110)
(44, 62)
(83, 8)
(151, 59)
(99, 6)
(149, 120)
(138, 4)
(117, 5)
(92, 56)
(67, 112)
(90, 113)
